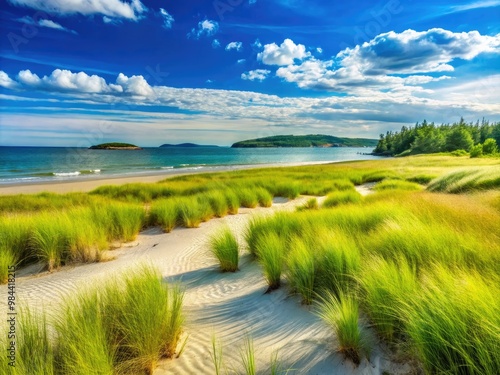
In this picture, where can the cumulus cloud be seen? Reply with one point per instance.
(168, 20)
(417, 52)
(44, 23)
(391, 61)
(238, 46)
(6, 81)
(205, 28)
(65, 81)
(215, 43)
(285, 54)
(131, 10)
(255, 75)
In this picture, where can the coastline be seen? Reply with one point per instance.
(90, 183)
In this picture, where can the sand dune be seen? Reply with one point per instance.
(231, 306)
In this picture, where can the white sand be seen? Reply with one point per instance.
(231, 306)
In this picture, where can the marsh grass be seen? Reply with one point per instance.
(270, 251)
(248, 198)
(454, 322)
(342, 197)
(225, 248)
(7, 259)
(110, 330)
(48, 239)
(164, 213)
(341, 314)
(264, 197)
(145, 329)
(216, 355)
(35, 350)
(392, 184)
(311, 204)
(83, 343)
(247, 354)
(385, 287)
(467, 180)
(301, 270)
(337, 261)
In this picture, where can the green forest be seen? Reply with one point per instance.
(478, 139)
(311, 140)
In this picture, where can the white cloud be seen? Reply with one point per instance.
(417, 52)
(371, 111)
(6, 81)
(112, 8)
(257, 44)
(44, 23)
(285, 54)
(255, 75)
(391, 61)
(241, 61)
(215, 43)
(168, 20)
(205, 28)
(319, 50)
(238, 46)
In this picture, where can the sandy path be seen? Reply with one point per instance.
(231, 306)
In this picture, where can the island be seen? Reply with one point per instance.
(312, 140)
(115, 146)
(186, 145)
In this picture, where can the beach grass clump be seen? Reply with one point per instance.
(164, 213)
(385, 287)
(248, 197)
(391, 184)
(7, 259)
(424, 243)
(453, 322)
(290, 190)
(270, 250)
(341, 314)
(264, 197)
(218, 202)
(142, 330)
(15, 233)
(190, 214)
(233, 202)
(83, 345)
(255, 229)
(225, 248)
(35, 352)
(84, 238)
(467, 180)
(301, 270)
(342, 197)
(48, 239)
(247, 354)
(337, 262)
(311, 204)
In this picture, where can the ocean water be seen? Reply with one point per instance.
(39, 164)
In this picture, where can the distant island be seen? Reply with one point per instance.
(312, 140)
(115, 146)
(187, 145)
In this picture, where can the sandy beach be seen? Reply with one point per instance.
(230, 306)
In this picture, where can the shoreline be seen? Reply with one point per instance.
(90, 183)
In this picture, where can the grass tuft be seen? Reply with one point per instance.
(342, 315)
(225, 248)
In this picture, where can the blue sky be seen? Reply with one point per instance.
(76, 73)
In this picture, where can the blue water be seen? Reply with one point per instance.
(39, 164)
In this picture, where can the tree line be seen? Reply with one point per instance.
(424, 138)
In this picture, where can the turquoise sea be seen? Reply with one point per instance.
(40, 164)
